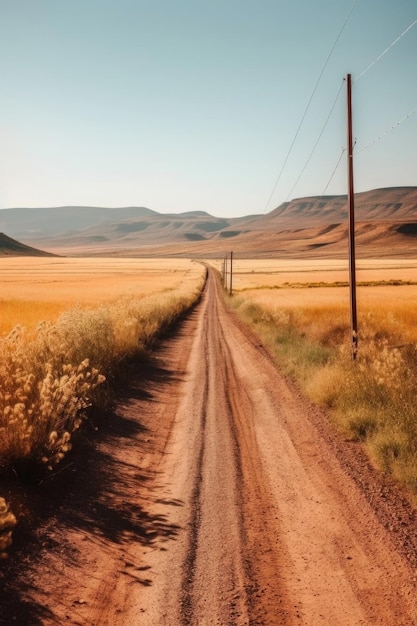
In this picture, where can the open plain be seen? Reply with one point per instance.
(279, 272)
(37, 289)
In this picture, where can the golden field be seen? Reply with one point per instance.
(36, 289)
(255, 273)
(319, 290)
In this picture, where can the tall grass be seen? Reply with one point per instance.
(372, 400)
(51, 375)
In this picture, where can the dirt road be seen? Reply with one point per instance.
(218, 496)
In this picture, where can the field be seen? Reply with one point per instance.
(255, 273)
(319, 290)
(38, 289)
(301, 309)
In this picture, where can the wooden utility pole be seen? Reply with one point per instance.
(351, 203)
(231, 273)
(225, 272)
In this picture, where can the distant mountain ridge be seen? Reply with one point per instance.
(28, 223)
(386, 222)
(378, 204)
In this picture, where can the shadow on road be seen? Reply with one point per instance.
(100, 491)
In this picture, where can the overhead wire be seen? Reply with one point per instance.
(389, 130)
(368, 145)
(387, 49)
(334, 171)
(309, 103)
(317, 140)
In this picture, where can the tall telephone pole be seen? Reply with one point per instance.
(351, 204)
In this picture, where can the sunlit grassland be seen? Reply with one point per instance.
(275, 273)
(39, 289)
(302, 313)
(72, 324)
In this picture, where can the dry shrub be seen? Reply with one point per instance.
(377, 404)
(324, 383)
(43, 396)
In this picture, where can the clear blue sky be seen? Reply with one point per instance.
(182, 105)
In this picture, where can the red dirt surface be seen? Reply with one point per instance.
(214, 495)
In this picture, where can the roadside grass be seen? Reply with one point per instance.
(372, 400)
(68, 330)
(51, 374)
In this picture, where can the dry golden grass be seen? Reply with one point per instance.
(35, 289)
(50, 373)
(320, 311)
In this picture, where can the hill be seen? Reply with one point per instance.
(397, 203)
(386, 225)
(11, 247)
(41, 223)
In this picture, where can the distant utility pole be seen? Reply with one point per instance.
(225, 272)
(351, 203)
(231, 274)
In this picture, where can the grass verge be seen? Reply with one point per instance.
(372, 400)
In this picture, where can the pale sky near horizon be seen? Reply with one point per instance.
(187, 105)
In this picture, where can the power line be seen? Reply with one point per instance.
(309, 102)
(334, 171)
(379, 57)
(389, 130)
(317, 141)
